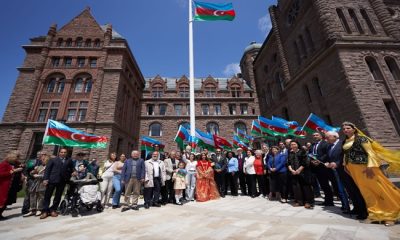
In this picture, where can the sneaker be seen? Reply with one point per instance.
(38, 213)
(31, 213)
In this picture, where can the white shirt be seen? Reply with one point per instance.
(156, 167)
(191, 166)
(248, 166)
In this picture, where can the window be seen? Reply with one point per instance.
(293, 12)
(343, 20)
(88, 43)
(285, 113)
(394, 114)
(88, 85)
(184, 91)
(243, 109)
(187, 109)
(59, 42)
(307, 94)
(357, 23)
(96, 43)
(155, 130)
(150, 109)
(235, 91)
(232, 109)
(279, 82)
(393, 68)
(68, 43)
(81, 62)
(79, 42)
(217, 109)
(157, 91)
(51, 85)
(241, 126)
(93, 62)
(374, 69)
(371, 27)
(67, 62)
(318, 86)
(82, 115)
(210, 90)
(60, 86)
(163, 109)
(71, 115)
(55, 61)
(44, 106)
(205, 109)
(178, 109)
(212, 128)
(303, 47)
(54, 110)
(310, 42)
(78, 85)
(297, 52)
(77, 111)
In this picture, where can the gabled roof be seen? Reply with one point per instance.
(81, 25)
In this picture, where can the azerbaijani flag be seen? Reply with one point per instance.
(59, 134)
(222, 143)
(181, 136)
(205, 140)
(213, 11)
(256, 129)
(290, 124)
(316, 124)
(299, 133)
(272, 127)
(237, 143)
(148, 143)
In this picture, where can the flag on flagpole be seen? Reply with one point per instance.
(148, 144)
(256, 129)
(213, 11)
(316, 124)
(222, 143)
(273, 128)
(205, 140)
(292, 125)
(60, 134)
(181, 136)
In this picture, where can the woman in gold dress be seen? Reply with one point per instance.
(362, 159)
(206, 188)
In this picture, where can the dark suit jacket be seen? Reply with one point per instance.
(241, 161)
(57, 172)
(322, 151)
(126, 172)
(221, 164)
(336, 154)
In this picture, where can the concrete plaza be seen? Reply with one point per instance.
(227, 218)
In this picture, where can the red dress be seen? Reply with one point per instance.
(206, 189)
(5, 181)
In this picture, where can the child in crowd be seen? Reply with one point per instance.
(179, 179)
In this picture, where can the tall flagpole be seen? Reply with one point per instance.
(191, 73)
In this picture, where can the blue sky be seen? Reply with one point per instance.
(157, 32)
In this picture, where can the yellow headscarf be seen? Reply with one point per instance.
(380, 154)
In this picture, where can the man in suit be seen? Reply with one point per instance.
(336, 162)
(132, 176)
(220, 168)
(242, 177)
(171, 164)
(154, 178)
(319, 150)
(57, 174)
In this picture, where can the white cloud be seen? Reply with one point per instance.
(182, 3)
(231, 69)
(264, 24)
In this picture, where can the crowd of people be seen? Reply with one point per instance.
(289, 172)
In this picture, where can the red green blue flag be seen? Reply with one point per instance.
(213, 11)
(222, 143)
(316, 124)
(148, 144)
(60, 134)
(272, 127)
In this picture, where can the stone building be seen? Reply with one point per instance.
(83, 74)
(337, 59)
(222, 106)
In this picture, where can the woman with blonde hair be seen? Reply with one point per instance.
(362, 159)
(106, 186)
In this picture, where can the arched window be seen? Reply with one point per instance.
(310, 42)
(374, 68)
(212, 128)
(59, 42)
(307, 94)
(318, 86)
(241, 126)
(357, 23)
(88, 42)
(303, 47)
(371, 27)
(155, 130)
(279, 82)
(60, 85)
(51, 85)
(96, 43)
(79, 42)
(343, 20)
(68, 43)
(393, 68)
(78, 85)
(88, 85)
(297, 52)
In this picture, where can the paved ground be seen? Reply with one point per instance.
(229, 218)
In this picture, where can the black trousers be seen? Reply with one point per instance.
(169, 184)
(251, 184)
(59, 188)
(232, 182)
(262, 188)
(152, 195)
(289, 186)
(278, 183)
(324, 176)
(242, 182)
(302, 190)
(26, 205)
(354, 192)
(164, 193)
(220, 180)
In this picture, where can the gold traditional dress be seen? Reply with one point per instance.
(206, 189)
(381, 196)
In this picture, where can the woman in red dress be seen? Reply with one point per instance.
(206, 189)
(7, 171)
